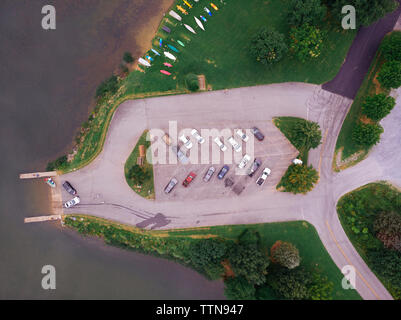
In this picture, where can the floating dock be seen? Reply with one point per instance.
(43, 218)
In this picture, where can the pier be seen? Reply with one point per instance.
(43, 218)
(37, 175)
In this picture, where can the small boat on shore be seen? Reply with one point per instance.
(182, 10)
(180, 43)
(50, 182)
(165, 72)
(214, 6)
(203, 18)
(199, 23)
(173, 48)
(189, 28)
(167, 64)
(175, 15)
(155, 52)
(143, 62)
(169, 55)
(207, 11)
(160, 42)
(187, 3)
(166, 29)
(149, 58)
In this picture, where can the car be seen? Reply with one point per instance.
(170, 185)
(209, 174)
(261, 180)
(236, 146)
(180, 155)
(259, 135)
(254, 167)
(197, 136)
(189, 179)
(244, 161)
(72, 202)
(242, 135)
(166, 138)
(187, 143)
(223, 171)
(69, 188)
(220, 144)
(297, 161)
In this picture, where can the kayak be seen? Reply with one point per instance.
(165, 72)
(214, 6)
(189, 28)
(208, 11)
(182, 10)
(187, 3)
(199, 23)
(175, 15)
(203, 18)
(155, 52)
(180, 43)
(167, 29)
(172, 48)
(168, 64)
(50, 182)
(144, 62)
(169, 55)
(149, 58)
(160, 42)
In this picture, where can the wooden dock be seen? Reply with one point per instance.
(43, 218)
(37, 175)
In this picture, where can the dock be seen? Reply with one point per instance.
(37, 175)
(43, 218)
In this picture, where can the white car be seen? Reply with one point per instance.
(244, 161)
(266, 172)
(297, 161)
(197, 136)
(187, 143)
(236, 146)
(242, 135)
(220, 144)
(72, 202)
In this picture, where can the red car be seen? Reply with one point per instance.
(188, 180)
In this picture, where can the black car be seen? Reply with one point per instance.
(259, 135)
(255, 166)
(69, 188)
(223, 172)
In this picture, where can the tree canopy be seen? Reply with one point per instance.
(367, 134)
(239, 288)
(378, 106)
(391, 46)
(390, 74)
(306, 12)
(306, 42)
(286, 254)
(299, 179)
(268, 46)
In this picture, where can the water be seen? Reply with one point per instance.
(47, 81)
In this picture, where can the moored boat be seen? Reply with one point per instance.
(50, 182)
(165, 72)
(155, 52)
(172, 48)
(169, 55)
(189, 28)
(175, 15)
(180, 43)
(144, 62)
(167, 64)
(199, 23)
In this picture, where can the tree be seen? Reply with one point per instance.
(320, 288)
(290, 284)
(138, 174)
(306, 42)
(127, 57)
(391, 46)
(249, 237)
(108, 86)
(299, 179)
(390, 74)
(192, 82)
(388, 230)
(268, 46)
(285, 254)
(367, 134)
(239, 288)
(306, 12)
(307, 134)
(378, 106)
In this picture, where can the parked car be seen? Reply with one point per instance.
(72, 202)
(187, 143)
(236, 146)
(297, 161)
(220, 144)
(69, 188)
(244, 161)
(242, 135)
(209, 174)
(180, 155)
(266, 172)
(189, 179)
(197, 136)
(255, 166)
(259, 135)
(223, 171)
(170, 185)
(166, 138)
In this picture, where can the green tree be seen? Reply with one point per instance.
(138, 174)
(239, 288)
(290, 284)
(307, 134)
(306, 12)
(390, 75)
(249, 237)
(378, 106)
(109, 86)
(299, 179)
(127, 57)
(367, 134)
(306, 42)
(191, 80)
(285, 254)
(388, 229)
(391, 46)
(268, 46)
(320, 288)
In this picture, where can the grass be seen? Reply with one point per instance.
(147, 189)
(174, 243)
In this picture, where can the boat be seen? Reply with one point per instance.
(189, 28)
(167, 64)
(203, 18)
(160, 42)
(143, 62)
(165, 72)
(214, 6)
(155, 52)
(199, 23)
(169, 55)
(208, 11)
(180, 43)
(50, 182)
(172, 48)
(187, 3)
(182, 10)
(166, 29)
(175, 15)
(149, 58)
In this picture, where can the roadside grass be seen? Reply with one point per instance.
(174, 244)
(357, 212)
(147, 189)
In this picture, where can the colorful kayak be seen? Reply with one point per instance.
(208, 11)
(144, 62)
(172, 48)
(160, 42)
(50, 182)
(166, 29)
(199, 23)
(189, 28)
(168, 64)
(203, 18)
(165, 72)
(182, 10)
(187, 3)
(149, 58)
(214, 6)
(155, 52)
(180, 43)
(175, 15)
(169, 55)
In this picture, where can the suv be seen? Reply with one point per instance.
(242, 135)
(220, 144)
(255, 166)
(263, 177)
(223, 171)
(236, 146)
(189, 179)
(259, 135)
(170, 185)
(187, 143)
(72, 202)
(197, 136)
(244, 161)
(68, 187)
(209, 174)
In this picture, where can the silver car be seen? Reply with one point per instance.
(170, 185)
(180, 155)
(209, 174)
(72, 202)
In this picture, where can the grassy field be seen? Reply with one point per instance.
(147, 189)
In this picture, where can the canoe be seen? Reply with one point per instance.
(189, 28)
(155, 52)
(169, 55)
(203, 18)
(175, 15)
(172, 48)
(199, 23)
(144, 62)
(167, 64)
(208, 11)
(214, 6)
(160, 42)
(166, 29)
(187, 3)
(180, 43)
(182, 10)
(165, 72)
(149, 58)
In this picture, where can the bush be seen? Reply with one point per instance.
(138, 174)
(268, 46)
(378, 106)
(57, 164)
(391, 46)
(306, 12)
(109, 86)
(390, 75)
(367, 135)
(306, 42)
(388, 230)
(127, 57)
(285, 254)
(239, 288)
(191, 80)
(299, 179)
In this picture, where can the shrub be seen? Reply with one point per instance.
(268, 46)
(390, 74)
(367, 135)
(391, 46)
(307, 134)
(191, 80)
(306, 12)
(299, 179)
(239, 288)
(306, 42)
(388, 230)
(127, 57)
(138, 174)
(378, 106)
(57, 164)
(286, 254)
(109, 86)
